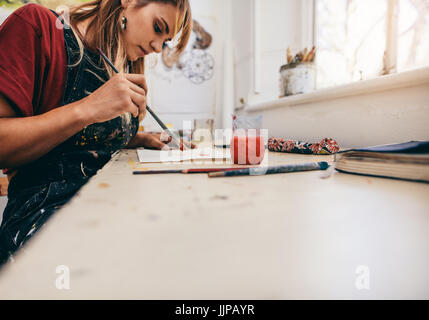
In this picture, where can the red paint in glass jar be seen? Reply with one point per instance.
(247, 149)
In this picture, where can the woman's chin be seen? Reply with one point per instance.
(134, 59)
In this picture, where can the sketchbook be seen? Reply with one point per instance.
(407, 161)
(158, 156)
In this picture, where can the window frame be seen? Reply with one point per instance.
(390, 60)
(308, 39)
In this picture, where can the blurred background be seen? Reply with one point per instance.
(244, 57)
(238, 46)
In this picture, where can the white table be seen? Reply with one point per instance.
(284, 236)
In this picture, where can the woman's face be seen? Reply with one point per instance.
(148, 28)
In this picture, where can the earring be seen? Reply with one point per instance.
(124, 23)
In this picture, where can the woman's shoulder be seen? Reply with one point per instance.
(36, 15)
(33, 9)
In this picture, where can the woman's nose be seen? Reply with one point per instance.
(157, 46)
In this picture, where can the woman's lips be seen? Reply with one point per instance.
(143, 51)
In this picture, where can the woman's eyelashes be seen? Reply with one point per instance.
(160, 30)
(157, 28)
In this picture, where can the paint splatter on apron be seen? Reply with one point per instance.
(42, 187)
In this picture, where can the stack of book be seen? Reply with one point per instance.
(407, 161)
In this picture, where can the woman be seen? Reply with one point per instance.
(63, 112)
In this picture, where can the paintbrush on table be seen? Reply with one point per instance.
(186, 171)
(323, 165)
(174, 138)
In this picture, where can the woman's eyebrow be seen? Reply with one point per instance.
(167, 29)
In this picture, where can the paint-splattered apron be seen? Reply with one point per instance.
(39, 189)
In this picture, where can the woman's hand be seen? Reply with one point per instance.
(158, 141)
(142, 115)
(121, 94)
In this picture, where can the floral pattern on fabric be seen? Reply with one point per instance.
(326, 146)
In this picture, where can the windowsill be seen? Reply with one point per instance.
(388, 82)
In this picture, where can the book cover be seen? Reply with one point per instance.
(406, 161)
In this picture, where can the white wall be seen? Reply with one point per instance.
(279, 25)
(232, 24)
(385, 116)
(174, 97)
(4, 13)
(390, 109)
(360, 117)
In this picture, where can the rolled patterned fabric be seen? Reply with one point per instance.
(326, 146)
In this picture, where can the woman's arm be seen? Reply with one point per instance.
(25, 139)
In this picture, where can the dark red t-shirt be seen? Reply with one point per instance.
(33, 60)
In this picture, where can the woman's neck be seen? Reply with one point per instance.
(82, 27)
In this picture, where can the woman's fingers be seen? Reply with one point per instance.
(188, 144)
(136, 88)
(163, 136)
(142, 110)
(142, 115)
(138, 79)
(160, 145)
(133, 108)
(139, 100)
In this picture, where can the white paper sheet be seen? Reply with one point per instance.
(157, 156)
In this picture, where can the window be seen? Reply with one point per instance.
(413, 34)
(363, 39)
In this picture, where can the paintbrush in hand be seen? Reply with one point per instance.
(174, 138)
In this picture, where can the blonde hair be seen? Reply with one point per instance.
(105, 28)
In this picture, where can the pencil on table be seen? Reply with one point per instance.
(186, 171)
